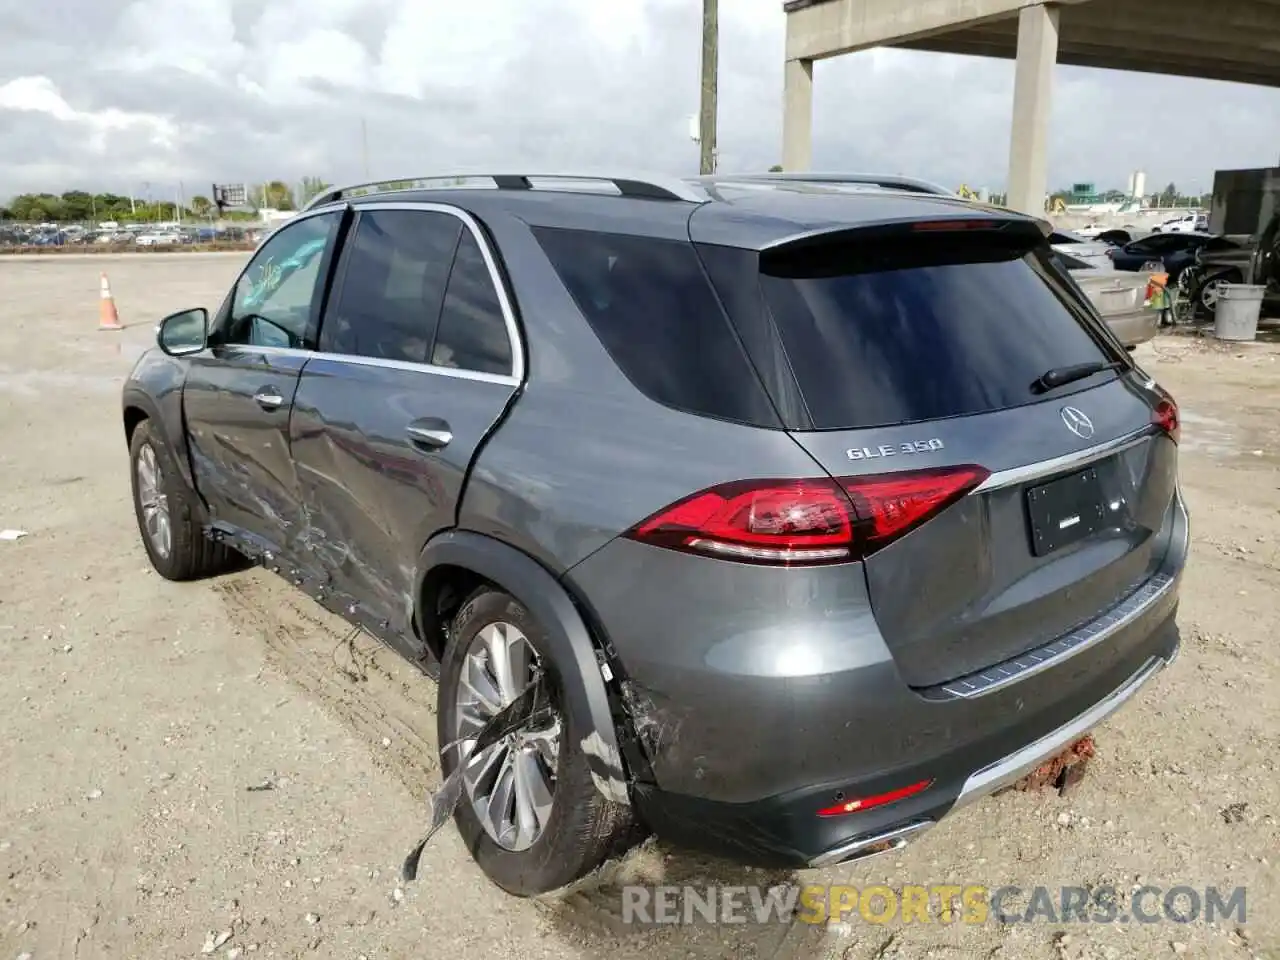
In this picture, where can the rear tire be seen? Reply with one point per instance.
(168, 513)
(583, 829)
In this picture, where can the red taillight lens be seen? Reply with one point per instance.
(805, 522)
(1165, 417)
(936, 226)
(892, 504)
(878, 800)
(766, 521)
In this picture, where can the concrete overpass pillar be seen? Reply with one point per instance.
(1032, 88)
(797, 115)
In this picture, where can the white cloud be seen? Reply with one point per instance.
(120, 90)
(40, 95)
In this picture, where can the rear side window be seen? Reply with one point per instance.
(473, 329)
(904, 333)
(394, 283)
(652, 307)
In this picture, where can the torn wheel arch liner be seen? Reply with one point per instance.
(572, 647)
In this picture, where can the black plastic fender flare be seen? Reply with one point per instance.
(574, 653)
(153, 409)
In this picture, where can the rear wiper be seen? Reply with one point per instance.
(1060, 376)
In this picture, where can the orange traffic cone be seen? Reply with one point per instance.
(108, 318)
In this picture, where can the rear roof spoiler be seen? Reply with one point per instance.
(987, 220)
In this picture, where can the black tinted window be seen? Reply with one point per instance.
(651, 306)
(473, 332)
(392, 286)
(899, 335)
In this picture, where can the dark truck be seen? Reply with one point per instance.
(1255, 261)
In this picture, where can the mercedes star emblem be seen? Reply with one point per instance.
(1077, 422)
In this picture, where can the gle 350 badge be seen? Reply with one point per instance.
(893, 449)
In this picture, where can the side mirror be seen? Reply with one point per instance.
(185, 333)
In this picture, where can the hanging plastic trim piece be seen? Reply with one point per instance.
(530, 709)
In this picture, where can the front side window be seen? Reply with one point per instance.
(473, 329)
(392, 286)
(276, 296)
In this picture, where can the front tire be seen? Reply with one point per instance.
(529, 813)
(168, 513)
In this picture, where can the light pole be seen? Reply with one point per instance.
(710, 71)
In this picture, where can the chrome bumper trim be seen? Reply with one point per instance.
(1021, 762)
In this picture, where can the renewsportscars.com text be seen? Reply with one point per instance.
(939, 903)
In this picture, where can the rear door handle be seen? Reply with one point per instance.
(268, 399)
(432, 433)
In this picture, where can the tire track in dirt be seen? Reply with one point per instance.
(365, 685)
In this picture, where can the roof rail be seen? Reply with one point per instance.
(650, 187)
(883, 181)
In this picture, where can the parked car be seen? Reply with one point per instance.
(1125, 300)
(803, 518)
(1187, 223)
(157, 239)
(1257, 262)
(1176, 251)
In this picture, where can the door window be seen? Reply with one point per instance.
(275, 297)
(473, 329)
(392, 286)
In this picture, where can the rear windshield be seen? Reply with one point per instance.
(908, 332)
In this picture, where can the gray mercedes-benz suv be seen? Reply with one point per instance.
(818, 508)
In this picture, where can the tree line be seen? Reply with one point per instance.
(81, 205)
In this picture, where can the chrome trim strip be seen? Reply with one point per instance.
(358, 361)
(1019, 668)
(848, 851)
(1016, 765)
(1079, 458)
(455, 372)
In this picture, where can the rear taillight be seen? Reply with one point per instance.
(1111, 253)
(1165, 417)
(806, 522)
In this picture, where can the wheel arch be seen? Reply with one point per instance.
(463, 559)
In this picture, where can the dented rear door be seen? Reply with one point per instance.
(416, 366)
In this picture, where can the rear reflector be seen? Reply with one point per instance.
(1165, 416)
(806, 522)
(878, 800)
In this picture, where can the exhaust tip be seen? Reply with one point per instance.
(863, 848)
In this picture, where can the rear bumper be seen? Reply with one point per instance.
(755, 703)
(1136, 327)
(785, 832)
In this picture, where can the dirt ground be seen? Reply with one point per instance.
(137, 717)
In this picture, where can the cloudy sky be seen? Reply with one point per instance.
(109, 94)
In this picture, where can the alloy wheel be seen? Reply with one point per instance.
(1209, 294)
(153, 502)
(511, 783)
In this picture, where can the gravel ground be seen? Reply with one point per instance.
(138, 716)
